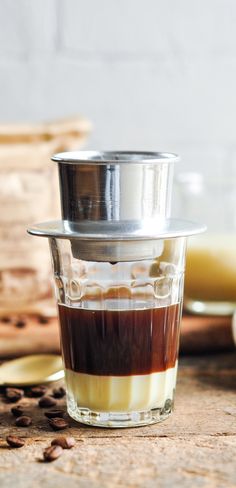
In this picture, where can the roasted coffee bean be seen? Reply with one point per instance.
(54, 413)
(59, 392)
(37, 391)
(20, 324)
(64, 442)
(43, 320)
(47, 402)
(58, 423)
(23, 421)
(17, 411)
(6, 320)
(14, 441)
(52, 453)
(14, 394)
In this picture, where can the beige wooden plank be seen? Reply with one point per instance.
(196, 446)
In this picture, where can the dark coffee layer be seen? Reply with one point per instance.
(120, 342)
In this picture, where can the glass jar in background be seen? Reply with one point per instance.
(210, 282)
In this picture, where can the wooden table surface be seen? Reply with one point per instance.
(195, 447)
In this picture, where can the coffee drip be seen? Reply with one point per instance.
(118, 261)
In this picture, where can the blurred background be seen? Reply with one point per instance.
(148, 74)
(128, 74)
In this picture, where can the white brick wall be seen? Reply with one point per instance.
(27, 27)
(150, 74)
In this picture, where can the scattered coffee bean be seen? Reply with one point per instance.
(58, 423)
(20, 324)
(6, 320)
(52, 453)
(47, 402)
(43, 320)
(64, 442)
(54, 413)
(59, 392)
(14, 394)
(37, 391)
(23, 421)
(17, 411)
(14, 441)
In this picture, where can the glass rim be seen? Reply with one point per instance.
(115, 157)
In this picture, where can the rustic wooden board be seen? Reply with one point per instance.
(34, 337)
(195, 447)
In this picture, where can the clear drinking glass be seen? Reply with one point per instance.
(119, 327)
(210, 281)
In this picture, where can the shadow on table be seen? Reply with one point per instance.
(217, 370)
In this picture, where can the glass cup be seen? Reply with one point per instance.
(210, 281)
(119, 326)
